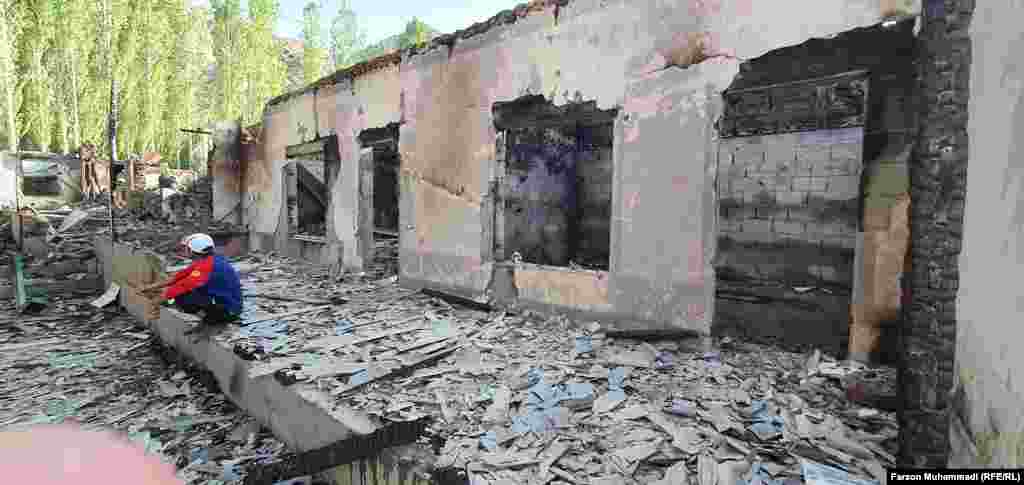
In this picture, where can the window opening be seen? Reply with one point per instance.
(556, 183)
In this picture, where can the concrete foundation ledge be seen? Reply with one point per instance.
(300, 415)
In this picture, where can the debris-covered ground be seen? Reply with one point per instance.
(518, 397)
(522, 398)
(74, 363)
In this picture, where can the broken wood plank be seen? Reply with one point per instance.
(421, 362)
(458, 300)
(652, 334)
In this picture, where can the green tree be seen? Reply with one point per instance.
(228, 50)
(347, 39)
(180, 93)
(416, 33)
(313, 54)
(34, 114)
(268, 74)
(8, 77)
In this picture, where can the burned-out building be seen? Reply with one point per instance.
(688, 166)
(608, 160)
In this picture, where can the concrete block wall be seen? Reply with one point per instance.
(594, 176)
(788, 206)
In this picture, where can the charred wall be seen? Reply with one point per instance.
(803, 127)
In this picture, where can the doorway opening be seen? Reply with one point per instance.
(380, 166)
(311, 170)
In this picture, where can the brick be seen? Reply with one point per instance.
(812, 154)
(790, 227)
(801, 214)
(810, 184)
(791, 198)
(840, 167)
(758, 226)
(748, 155)
(843, 187)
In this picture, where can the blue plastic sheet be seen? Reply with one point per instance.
(759, 476)
(360, 377)
(343, 327)
(199, 455)
(682, 407)
(537, 421)
(489, 441)
(584, 344)
(229, 472)
(616, 383)
(818, 474)
(578, 391)
(542, 396)
(534, 376)
(765, 425)
(663, 360)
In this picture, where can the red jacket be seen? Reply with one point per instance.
(194, 276)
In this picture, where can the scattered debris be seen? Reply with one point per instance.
(94, 367)
(107, 297)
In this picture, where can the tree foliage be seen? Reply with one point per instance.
(313, 54)
(175, 65)
(347, 38)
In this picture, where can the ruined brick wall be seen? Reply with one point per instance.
(938, 190)
(788, 231)
(594, 196)
(804, 129)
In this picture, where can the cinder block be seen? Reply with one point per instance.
(813, 154)
(748, 155)
(783, 182)
(790, 198)
(788, 165)
(758, 226)
(843, 187)
(840, 167)
(756, 236)
(790, 227)
(810, 184)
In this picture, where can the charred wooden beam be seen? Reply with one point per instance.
(458, 300)
(340, 453)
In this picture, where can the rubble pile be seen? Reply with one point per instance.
(92, 367)
(520, 398)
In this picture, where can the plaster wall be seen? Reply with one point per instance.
(988, 405)
(615, 53)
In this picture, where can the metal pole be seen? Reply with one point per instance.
(112, 127)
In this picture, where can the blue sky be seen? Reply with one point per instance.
(382, 18)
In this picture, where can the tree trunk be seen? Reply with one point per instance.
(938, 175)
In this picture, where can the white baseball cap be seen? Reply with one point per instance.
(199, 243)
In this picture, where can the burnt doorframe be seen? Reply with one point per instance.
(531, 111)
(373, 139)
(325, 150)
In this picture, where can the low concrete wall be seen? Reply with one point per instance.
(295, 414)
